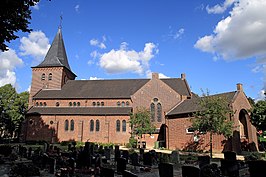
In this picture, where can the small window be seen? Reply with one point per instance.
(65, 79)
(124, 126)
(97, 128)
(70, 103)
(127, 103)
(40, 103)
(43, 76)
(57, 104)
(190, 130)
(78, 103)
(30, 121)
(51, 122)
(72, 125)
(93, 104)
(37, 104)
(98, 104)
(155, 99)
(50, 76)
(152, 112)
(102, 103)
(91, 125)
(123, 104)
(118, 103)
(159, 112)
(44, 104)
(66, 125)
(118, 125)
(74, 104)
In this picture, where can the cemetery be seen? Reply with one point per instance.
(43, 159)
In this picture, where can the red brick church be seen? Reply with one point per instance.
(62, 108)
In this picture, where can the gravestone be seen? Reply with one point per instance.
(141, 153)
(107, 172)
(134, 159)
(121, 165)
(117, 153)
(125, 154)
(52, 165)
(190, 171)
(229, 168)
(257, 168)
(175, 158)
(204, 160)
(107, 153)
(166, 170)
(147, 159)
(230, 155)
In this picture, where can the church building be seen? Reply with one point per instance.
(64, 109)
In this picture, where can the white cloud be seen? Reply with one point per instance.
(220, 8)
(161, 75)
(77, 8)
(97, 43)
(36, 6)
(241, 35)
(8, 62)
(124, 60)
(261, 96)
(94, 54)
(95, 78)
(35, 45)
(175, 34)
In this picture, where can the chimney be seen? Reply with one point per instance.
(155, 76)
(183, 76)
(239, 87)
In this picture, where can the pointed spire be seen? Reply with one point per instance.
(56, 55)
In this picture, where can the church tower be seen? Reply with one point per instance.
(54, 71)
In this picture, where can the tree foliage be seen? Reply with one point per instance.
(14, 17)
(13, 107)
(140, 122)
(212, 117)
(258, 115)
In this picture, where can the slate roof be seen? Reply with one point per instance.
(56, 55)
(106, 89)
(80, 110)
(193, 105)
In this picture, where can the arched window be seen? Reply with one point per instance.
(44, 104)
(72, 125)
(78, 103)
(123, 104)
(37, 104)
(102, 103)
(43, 76)
(118, 103)
(152, 112)
(74, 104)
(40, 103)
(98, 103)
(70, 103)
(57, 104)
(159, 112)
(66, 125)
(97, 128)
(127, 103)
(118, 125)
(50, 76)
(91, 125)
(93, 104)
(124, 126)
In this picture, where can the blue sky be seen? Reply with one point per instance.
(217, 43)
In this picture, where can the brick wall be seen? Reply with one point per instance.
(53, 127)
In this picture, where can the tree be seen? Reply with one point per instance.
(212, 117)
(13, 107)
(140, 123)
(14, 16)
(258, 115)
